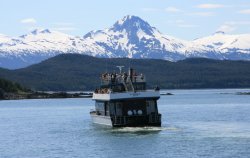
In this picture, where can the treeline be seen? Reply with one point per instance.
(10, 90)
(7, 87)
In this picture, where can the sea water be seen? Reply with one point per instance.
(195, 123)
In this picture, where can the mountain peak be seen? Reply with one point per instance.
(219, 33)
(37, 31)
(34, 32)
(129, 17)
(132, 23)
(45, 31)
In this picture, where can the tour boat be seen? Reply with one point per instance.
(123, 101)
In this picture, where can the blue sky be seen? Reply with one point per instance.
(186, 19)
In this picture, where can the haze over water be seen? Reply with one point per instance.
(196, 123)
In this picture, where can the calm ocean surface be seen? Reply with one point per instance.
(196, 123)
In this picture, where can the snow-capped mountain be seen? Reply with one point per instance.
(39, 45)
(134, 38)
(129, 37)
(226, 43)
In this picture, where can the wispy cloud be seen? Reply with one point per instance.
(210, 6)
(226, 28)
(172, 9)
(230, 26)
(28, 21)
(246, 11)
(203, 13)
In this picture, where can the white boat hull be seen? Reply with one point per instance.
(103, 120)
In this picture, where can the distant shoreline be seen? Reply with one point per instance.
(45, 95)
(88, 94)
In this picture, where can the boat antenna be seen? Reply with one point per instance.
(120, 68)
(106, 65)
(130, 62)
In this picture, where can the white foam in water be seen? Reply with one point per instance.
(143, 129)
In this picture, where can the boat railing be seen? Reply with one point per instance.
(123, 120)
(118, 78)
(129, 85)
(154, 118)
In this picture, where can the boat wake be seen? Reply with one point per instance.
(143, 129)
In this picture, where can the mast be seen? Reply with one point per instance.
(120, 68)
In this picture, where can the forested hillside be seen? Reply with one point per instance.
(80, 72)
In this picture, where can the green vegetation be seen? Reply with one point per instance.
(8, 89)
(8, 86)
(80, 72)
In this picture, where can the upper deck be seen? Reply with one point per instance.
(120, 82)
(123, 86)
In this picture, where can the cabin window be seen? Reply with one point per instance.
(100, 108)
(134, 107)
(119, 109)
(150, 106)
(111, 108)
(107, 109)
